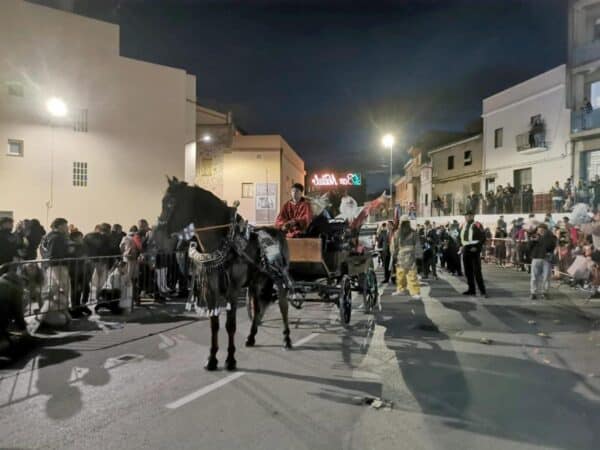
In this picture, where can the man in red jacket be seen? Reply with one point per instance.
(295, 215)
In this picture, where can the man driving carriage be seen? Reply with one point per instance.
(295, 215)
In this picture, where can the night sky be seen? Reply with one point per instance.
(331, 76)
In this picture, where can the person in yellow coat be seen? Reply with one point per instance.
(406, 247)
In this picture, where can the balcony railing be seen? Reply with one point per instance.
(582, 121)
(586, 53)
(530, 143)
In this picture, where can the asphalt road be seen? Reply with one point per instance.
(462, 373)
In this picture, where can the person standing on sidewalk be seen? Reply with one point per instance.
(472, 237)
(430, 251)
(541, 249)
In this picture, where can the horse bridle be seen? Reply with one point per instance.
(189, 232)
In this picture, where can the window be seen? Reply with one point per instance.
(15, 89)
(80, 174)
(247, 190)
(597, 29)
(426, 199)
(206, 167)
(15, 147)
(468, 158)
(80, 122)
(498, 132)
(450, 162)
(490, 184)
(521, 178)
(595, 94)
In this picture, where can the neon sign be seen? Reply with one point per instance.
(330, 179)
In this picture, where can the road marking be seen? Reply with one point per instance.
(203, 391)
(304, 340)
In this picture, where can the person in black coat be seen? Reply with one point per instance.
(80, 274)
(541, 248)
(472, 239)
(31, 232)
(9, 243)
(430, 251)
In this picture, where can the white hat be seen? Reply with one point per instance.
(404, 218)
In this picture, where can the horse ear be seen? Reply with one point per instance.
(169, 180)
(175, 180)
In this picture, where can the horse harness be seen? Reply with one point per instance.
(237, 240)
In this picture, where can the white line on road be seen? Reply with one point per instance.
(304, 340)
(203, 391)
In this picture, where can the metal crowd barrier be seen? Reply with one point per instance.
(51, 285)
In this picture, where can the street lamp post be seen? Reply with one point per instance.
(57, 108)
(388, 141)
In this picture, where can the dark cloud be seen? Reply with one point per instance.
(332, 75)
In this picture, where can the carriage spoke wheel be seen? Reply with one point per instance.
(370, 291)
(345, 300)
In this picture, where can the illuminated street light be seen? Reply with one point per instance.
(206, 138)
(56, 107)
(388, 141)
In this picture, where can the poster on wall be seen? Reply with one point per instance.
(266, 203)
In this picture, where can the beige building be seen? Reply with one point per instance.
(128, 123)
(404, 193)
(257, 170)
(457, 169)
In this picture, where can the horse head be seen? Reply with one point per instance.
(185, 207)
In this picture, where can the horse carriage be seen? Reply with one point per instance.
(329, 268)
(227, 255)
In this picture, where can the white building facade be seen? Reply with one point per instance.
(526, 137)
(584, 86)
(128, 123)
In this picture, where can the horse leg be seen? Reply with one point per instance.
(250, 340)
(283, 307)
(230, 325)
(212, 362)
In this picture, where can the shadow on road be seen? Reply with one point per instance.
(510, 398)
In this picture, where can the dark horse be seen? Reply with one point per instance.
(241, 255)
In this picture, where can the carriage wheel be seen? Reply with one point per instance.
(370, 291)
(345, 300)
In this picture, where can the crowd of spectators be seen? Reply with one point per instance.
(511, 200)
(545, 249)
(94, 268)
(574, 255)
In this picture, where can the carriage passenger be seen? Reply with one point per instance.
(295, 215)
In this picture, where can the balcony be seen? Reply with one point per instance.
(527, 144)
(582, 121)
(585, 53)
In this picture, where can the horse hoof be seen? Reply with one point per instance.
(287, 345)
(211, 364)
(250, 342)
(231, 364)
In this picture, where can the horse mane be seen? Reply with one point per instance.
(206, 204)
